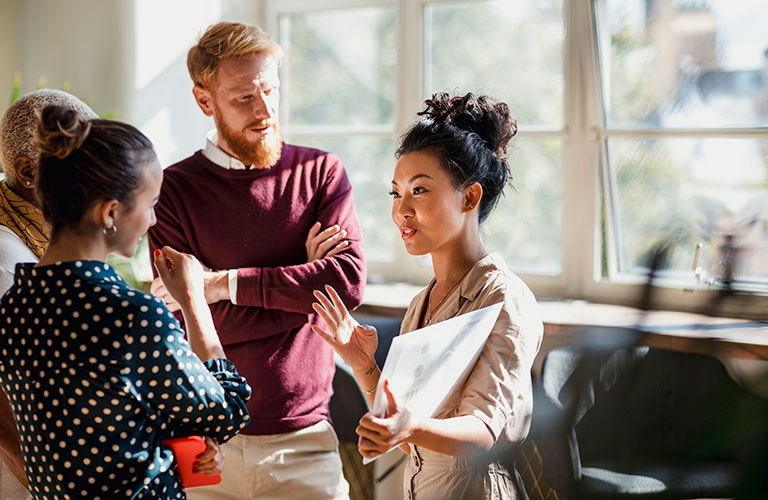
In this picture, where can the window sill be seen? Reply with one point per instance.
(575, 322)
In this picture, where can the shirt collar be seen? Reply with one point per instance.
(220, 157)
(469, 289)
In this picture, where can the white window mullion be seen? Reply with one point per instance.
(582, 108)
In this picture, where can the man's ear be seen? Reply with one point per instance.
(204, 99)
(472, 195)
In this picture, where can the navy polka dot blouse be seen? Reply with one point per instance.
(99, 375)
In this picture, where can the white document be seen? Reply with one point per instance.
(425, 366)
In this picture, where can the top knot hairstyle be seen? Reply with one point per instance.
(469, 136)
(85, 161)
(61, 131)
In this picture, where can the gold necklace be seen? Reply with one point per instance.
(450, 290)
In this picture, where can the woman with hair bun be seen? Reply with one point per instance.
(449, 176)
(98, 374)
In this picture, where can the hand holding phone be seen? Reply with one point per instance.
(186, 450)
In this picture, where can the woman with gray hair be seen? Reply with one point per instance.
(23, 236)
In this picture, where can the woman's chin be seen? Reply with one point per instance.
(415, 251)
(127, 253)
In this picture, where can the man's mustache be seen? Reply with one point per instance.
(259, 124)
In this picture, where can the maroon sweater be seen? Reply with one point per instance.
(257, 221)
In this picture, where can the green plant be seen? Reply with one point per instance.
(66, 87)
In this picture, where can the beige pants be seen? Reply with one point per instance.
(300, 465)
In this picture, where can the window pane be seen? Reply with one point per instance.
(686, 63)
(526, 227)
(369, 163)
(510, 50)
(339, 67)
(690, 191)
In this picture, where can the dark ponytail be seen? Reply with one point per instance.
(469, 135)
(83, 162)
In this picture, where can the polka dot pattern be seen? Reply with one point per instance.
(99, 375)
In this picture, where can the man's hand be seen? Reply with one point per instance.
(325, 243)
(215, 283)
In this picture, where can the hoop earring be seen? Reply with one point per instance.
(109, 231)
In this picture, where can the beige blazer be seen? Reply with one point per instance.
(497, 390)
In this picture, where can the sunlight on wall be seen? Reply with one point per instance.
(164, 31)
(159, 129)
(161, 102)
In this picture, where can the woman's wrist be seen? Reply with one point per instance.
(367, 376)
(367, 369)
(193, 302)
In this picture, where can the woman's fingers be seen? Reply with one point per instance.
(207, 456)
(211, 468)
(323, 335)
(211, 461)
(370, 434)
(161, 265)
(369, 448)
(338, 304)
(322, 311)
(391, 401)
(329, 307)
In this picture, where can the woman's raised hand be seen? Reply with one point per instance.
(181, 274)
(355, 343)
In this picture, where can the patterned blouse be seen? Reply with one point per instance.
(99, 375)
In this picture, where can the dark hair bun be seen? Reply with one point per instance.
(491, 120)
(61, 131)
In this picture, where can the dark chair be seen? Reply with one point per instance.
(348, 403)
(647, 423)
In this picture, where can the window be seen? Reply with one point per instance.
(685, 149)
(640, 121)
(338, 94)
(514, 52)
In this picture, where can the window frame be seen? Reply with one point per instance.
(584, 137)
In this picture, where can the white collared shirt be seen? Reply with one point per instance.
(220, 157)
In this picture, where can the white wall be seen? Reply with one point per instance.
(8, 63)
(128, 55)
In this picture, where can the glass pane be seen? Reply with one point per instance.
(339, 67)
(510, 50)
(369, 163)
(526, 227)
(686, 63)
(686, 191)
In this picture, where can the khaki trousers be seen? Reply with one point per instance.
(300, 465)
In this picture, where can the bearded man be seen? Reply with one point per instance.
(273, 222)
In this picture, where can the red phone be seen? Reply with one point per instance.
(186, 450)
